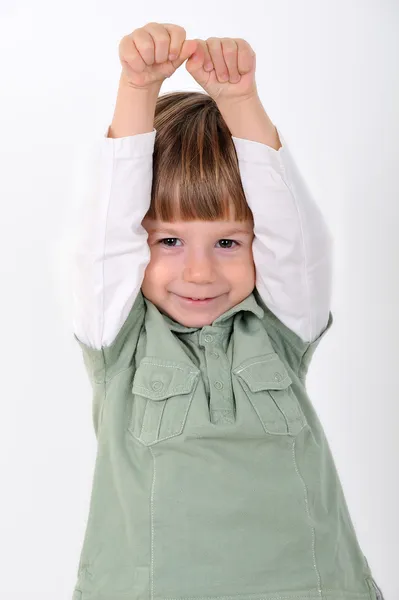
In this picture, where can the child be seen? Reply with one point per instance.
(202, 288)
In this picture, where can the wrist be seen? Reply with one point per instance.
(134, 110)
(246, 118)
(224, 103)
(149, 91)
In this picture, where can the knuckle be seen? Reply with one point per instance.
(229, 48)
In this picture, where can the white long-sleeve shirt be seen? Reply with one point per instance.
(292, 245)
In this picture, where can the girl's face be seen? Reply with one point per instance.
(198, 259)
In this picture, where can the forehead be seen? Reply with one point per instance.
(218, 227)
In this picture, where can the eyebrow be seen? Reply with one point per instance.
(176, 233)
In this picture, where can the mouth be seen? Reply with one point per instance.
(196, 301)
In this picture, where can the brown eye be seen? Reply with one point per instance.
(228, 242)
(166, 242)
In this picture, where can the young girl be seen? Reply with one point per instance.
(202, 285)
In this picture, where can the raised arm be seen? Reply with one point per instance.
(111, 250)
(293, 246)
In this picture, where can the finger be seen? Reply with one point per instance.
(204, 58)
(195, 64)
(128, 53)
(161, 39)
(189, 48)
(182, 48)
(246, 56)
(230, 52)
(216, 52)
(208, 64)
(177, 36)
(145, 45)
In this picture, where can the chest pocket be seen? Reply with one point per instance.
(268, 386)
(162, 394)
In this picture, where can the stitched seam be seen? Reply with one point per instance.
(262, 381)
(147, 362)
(131, 428)
(309, 517)
(182, 425)
(158, 432)
(306, 596)
(258, 362)
(142, 422)
(119, 372)
(289, 342)
(179, 388)
(160, 364)
(152, 525)
(130, 367)
(297, 405)
(269, 420)
(302, 366)
(259, 383)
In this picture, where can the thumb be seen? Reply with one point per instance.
(188, 48)
(195, 65)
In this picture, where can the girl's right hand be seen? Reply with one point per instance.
(146, 54)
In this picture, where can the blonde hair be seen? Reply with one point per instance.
(195, 168)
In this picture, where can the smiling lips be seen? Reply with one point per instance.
(197, 301)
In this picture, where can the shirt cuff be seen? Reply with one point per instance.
(132, 146)
(257, 152)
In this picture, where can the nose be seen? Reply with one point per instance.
(199, 268)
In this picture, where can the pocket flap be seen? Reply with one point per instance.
(159, 378)
(266, 372)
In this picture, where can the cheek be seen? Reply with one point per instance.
(240, 271)
(159, 268)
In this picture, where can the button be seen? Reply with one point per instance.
(214, 354)
(218, 385)
(278, 376)
(208, 338)
(157, 385)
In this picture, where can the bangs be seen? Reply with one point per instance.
(195, 168)
(202, 197)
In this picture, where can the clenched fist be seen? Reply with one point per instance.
(224, 67)
(152, 53)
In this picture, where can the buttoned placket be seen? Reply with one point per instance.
(221, 403)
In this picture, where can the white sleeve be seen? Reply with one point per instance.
(293, 246)
(110, 252)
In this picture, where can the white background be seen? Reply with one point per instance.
(327, 73)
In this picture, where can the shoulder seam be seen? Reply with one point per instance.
(286, 339)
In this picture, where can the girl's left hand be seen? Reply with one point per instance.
(224, 67)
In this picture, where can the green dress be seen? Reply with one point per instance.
(213, 477)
